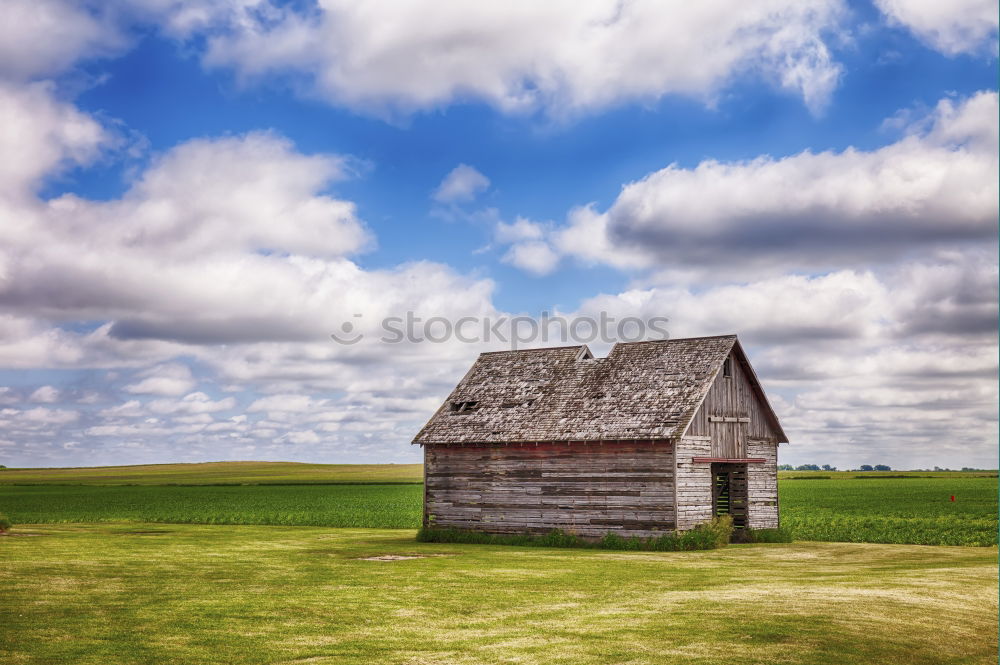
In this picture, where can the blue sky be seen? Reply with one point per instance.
(199, 193)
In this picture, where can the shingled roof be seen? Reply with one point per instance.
(641, 390)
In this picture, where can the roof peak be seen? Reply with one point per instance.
(585, 349)
(535, 348)
(678, 339)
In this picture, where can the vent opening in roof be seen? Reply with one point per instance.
(516, 403)
(463, 407)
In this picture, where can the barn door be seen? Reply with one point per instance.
(729, 492)
(729, 436)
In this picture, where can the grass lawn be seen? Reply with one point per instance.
(133, 593)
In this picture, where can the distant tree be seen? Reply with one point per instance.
(882, 467)
(2, 466)
(807, 467)
(785, 467)
(866, 467)
(827, 467)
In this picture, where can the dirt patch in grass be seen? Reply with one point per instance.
(400, 557)
(143, 532)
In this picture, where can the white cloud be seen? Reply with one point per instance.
(462, 184)
(519, 230)
(285, 404)
(8, 396)
(45, 416)
(236, 224)
(533, 256)
(130, 409)
(586, 237)
(45, 37)
(302, 437)
(565, 56)
(197, 402)
(255, 189)
(954, 27)
(528, 249)
(108, 431)
(183, 18)
(934, 187)
(169, 379)
(39, 136)
(46, 394)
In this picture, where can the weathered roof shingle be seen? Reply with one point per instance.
(642, 390)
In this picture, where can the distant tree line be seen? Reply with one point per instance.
(964, 468)
(806, 467)
(827, 467)
(863, 467)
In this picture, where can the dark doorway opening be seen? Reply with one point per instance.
(729, 492)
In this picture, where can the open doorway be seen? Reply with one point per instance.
(729, 492)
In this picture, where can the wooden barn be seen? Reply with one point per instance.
(658, 436)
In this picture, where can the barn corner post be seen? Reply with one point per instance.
(693, 481)
(423, 518)
(762, 480)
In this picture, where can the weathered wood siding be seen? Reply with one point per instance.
(763, 485)
(731, 414)
(589, 490)
(694, 482)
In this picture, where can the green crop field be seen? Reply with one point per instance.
(375, 506)
(197, 595)
(217, 473)
(847, 507)
(911, 510)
